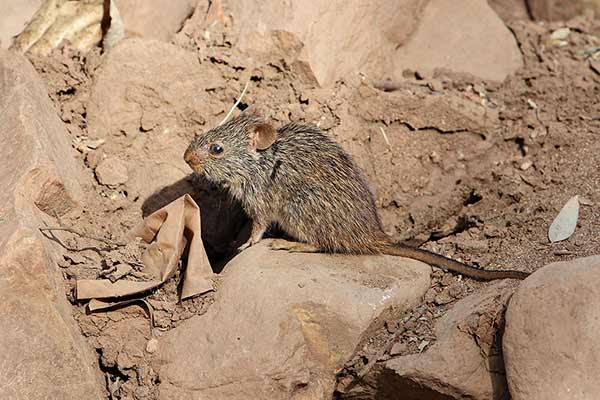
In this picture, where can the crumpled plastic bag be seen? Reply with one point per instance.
(169, 230)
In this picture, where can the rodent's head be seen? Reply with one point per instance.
(229, 153)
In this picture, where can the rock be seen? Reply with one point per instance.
(15, 15)
(282, 324)
(465, 362)
(551, 344)
(145, 103)
(111, 171)
(78, 22)
(557, 10)
(151, 19)
(510, 10)
(44, 355)
(438, 44)
(326, 41)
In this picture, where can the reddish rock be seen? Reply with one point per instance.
(551, 344)
(282, 324)
(44, 355)
(510, 10)
(438, 44)
(111, 171)
(327, 41)
(13, 18)
(465, 362)
(152, 19)
(558, 10)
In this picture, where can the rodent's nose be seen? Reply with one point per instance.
(192, 159)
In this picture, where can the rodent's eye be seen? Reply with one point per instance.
(215, 149)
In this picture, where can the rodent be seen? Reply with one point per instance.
(298, 177)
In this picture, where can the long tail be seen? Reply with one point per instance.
(452, 265)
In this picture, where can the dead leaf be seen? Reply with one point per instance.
(565, 222)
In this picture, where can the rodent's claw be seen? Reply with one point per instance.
(244, 246)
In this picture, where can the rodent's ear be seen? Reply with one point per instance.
(262, 136)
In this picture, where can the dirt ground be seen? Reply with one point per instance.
(542, 149)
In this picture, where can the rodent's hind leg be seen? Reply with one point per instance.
(258, 230)
(293, 247)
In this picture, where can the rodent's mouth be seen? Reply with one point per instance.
(196, 167)
(193, 161)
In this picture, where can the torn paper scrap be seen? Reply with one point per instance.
(168, 230)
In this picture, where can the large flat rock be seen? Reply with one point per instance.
(551, 344)
(282, 324)
(43, 353)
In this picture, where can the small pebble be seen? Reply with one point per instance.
(443, 298)
(152, 346)
(560, 34)
(398, 348)
(562, 252)
(111, 171)
(526, 165)
(446, 280)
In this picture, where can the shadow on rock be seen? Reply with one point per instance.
(225, 225)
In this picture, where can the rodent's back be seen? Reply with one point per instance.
(323, 197)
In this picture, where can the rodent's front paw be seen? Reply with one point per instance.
(243, 247)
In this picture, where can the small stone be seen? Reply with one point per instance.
(152, 346)
(111, 172)
(398, 348)
(422, 345)
(120, 271)
(456, 291)
(94, 144)
(491, 231)
(429, 296)
(472, 245)
(435, 85)
(562, 252)
(391, 326)
(526, 165)
(446, 280)
(560, 34)
(443, 298)
(93, 158)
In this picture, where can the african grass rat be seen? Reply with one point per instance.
(301, 179)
